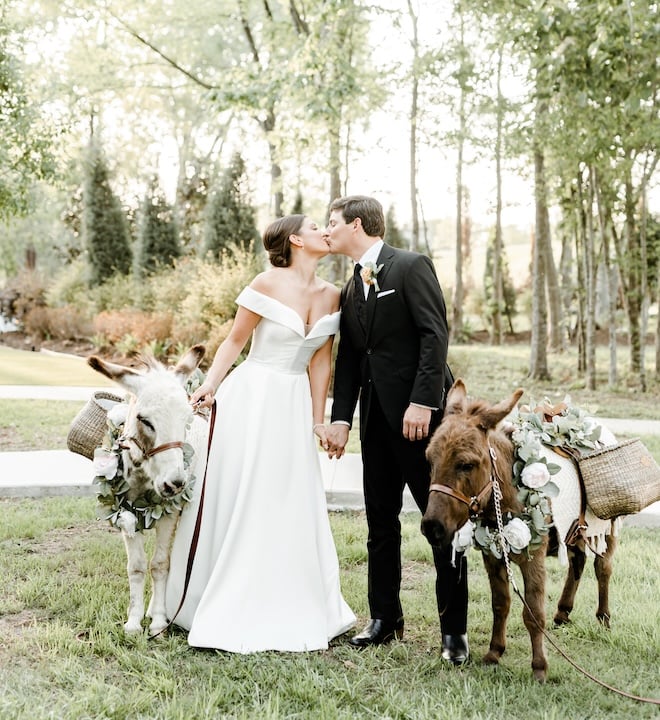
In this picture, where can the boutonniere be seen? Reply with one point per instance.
(369, 273)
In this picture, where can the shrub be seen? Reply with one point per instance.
(70, 286)
(117, 293)
(115, 325)
(211, 296)
(63, 323)
(21, 295)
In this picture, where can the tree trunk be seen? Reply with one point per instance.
(611, 276)
(498, 293)
(657, 326)
(538, 366)
(589, 256)
(457, 304)
(634, 293)
(413, 133)
(337, 263)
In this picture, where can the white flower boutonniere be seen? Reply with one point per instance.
(369, 272)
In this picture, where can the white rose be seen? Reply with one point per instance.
(517, 534)
(535, 475)
(127, 522)
(462, 539)
(105, 463)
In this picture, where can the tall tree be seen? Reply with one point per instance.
(393, 234)
(230, 218)
(158, 243)
(26, 139)
(105, 230)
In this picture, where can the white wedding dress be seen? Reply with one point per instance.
(265, 573)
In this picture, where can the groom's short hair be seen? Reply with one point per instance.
(368, 209)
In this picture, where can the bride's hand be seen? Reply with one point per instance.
(321, 433)
(203, 396)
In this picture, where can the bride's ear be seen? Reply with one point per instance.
(296, 240)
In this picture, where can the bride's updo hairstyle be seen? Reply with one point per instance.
(276, 239)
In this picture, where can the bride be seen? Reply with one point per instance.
(265, 574)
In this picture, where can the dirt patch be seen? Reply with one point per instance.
(17, 623)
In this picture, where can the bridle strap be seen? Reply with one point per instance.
(164, 446)
(124, 439)
(473, 503)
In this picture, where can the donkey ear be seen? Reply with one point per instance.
(456, 398)
(124, 376)
(189, 361)
(493, 415)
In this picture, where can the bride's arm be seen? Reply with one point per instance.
(225, 356)
(320, 367)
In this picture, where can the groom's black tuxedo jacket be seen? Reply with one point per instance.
(401, 354)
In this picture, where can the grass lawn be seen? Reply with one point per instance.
(64, 655)
(63, 652)
(19, 367)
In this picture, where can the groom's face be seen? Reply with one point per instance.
(340, 234)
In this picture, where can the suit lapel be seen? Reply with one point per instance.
(385, 258)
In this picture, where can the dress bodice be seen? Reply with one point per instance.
(279, 340)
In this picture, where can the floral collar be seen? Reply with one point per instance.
(112, 486)
(553, 426)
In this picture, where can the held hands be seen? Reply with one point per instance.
(320, 431)
(336, 438)
(416, 421)
(203, 396)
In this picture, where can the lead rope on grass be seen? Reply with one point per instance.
(504, 545)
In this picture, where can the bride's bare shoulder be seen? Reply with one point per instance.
(331, 294)
(267, 282)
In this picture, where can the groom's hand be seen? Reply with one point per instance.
(337, 437)
(416, 421)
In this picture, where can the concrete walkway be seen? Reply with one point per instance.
(46, 473)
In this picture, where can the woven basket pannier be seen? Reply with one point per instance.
(90, 424)
(620, 479)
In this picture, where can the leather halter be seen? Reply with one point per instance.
(474, 502)
(124, 439)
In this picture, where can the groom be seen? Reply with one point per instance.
(393, 355)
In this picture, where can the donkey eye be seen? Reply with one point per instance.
(146, 423)
(465, 467)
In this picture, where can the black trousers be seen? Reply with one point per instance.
(389, 463)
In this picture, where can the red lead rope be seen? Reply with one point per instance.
(198, 524)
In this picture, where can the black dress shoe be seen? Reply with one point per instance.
(455, 649)
(378, 632)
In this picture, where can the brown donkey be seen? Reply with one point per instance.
(462, 472)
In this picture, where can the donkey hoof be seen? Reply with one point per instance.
(491, 658)
(561, 618)
(156, 629)
(132, 628)
(604, 620)
(539, 676)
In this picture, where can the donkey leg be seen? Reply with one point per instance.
(603, 568)
(576, 561)
(137, 568)
(160, 566)
(533, 572)
(500, 599)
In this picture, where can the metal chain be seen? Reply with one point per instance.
(497, 498)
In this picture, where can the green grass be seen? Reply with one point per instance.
(35, 424)
(63, 653)
(18, 367)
